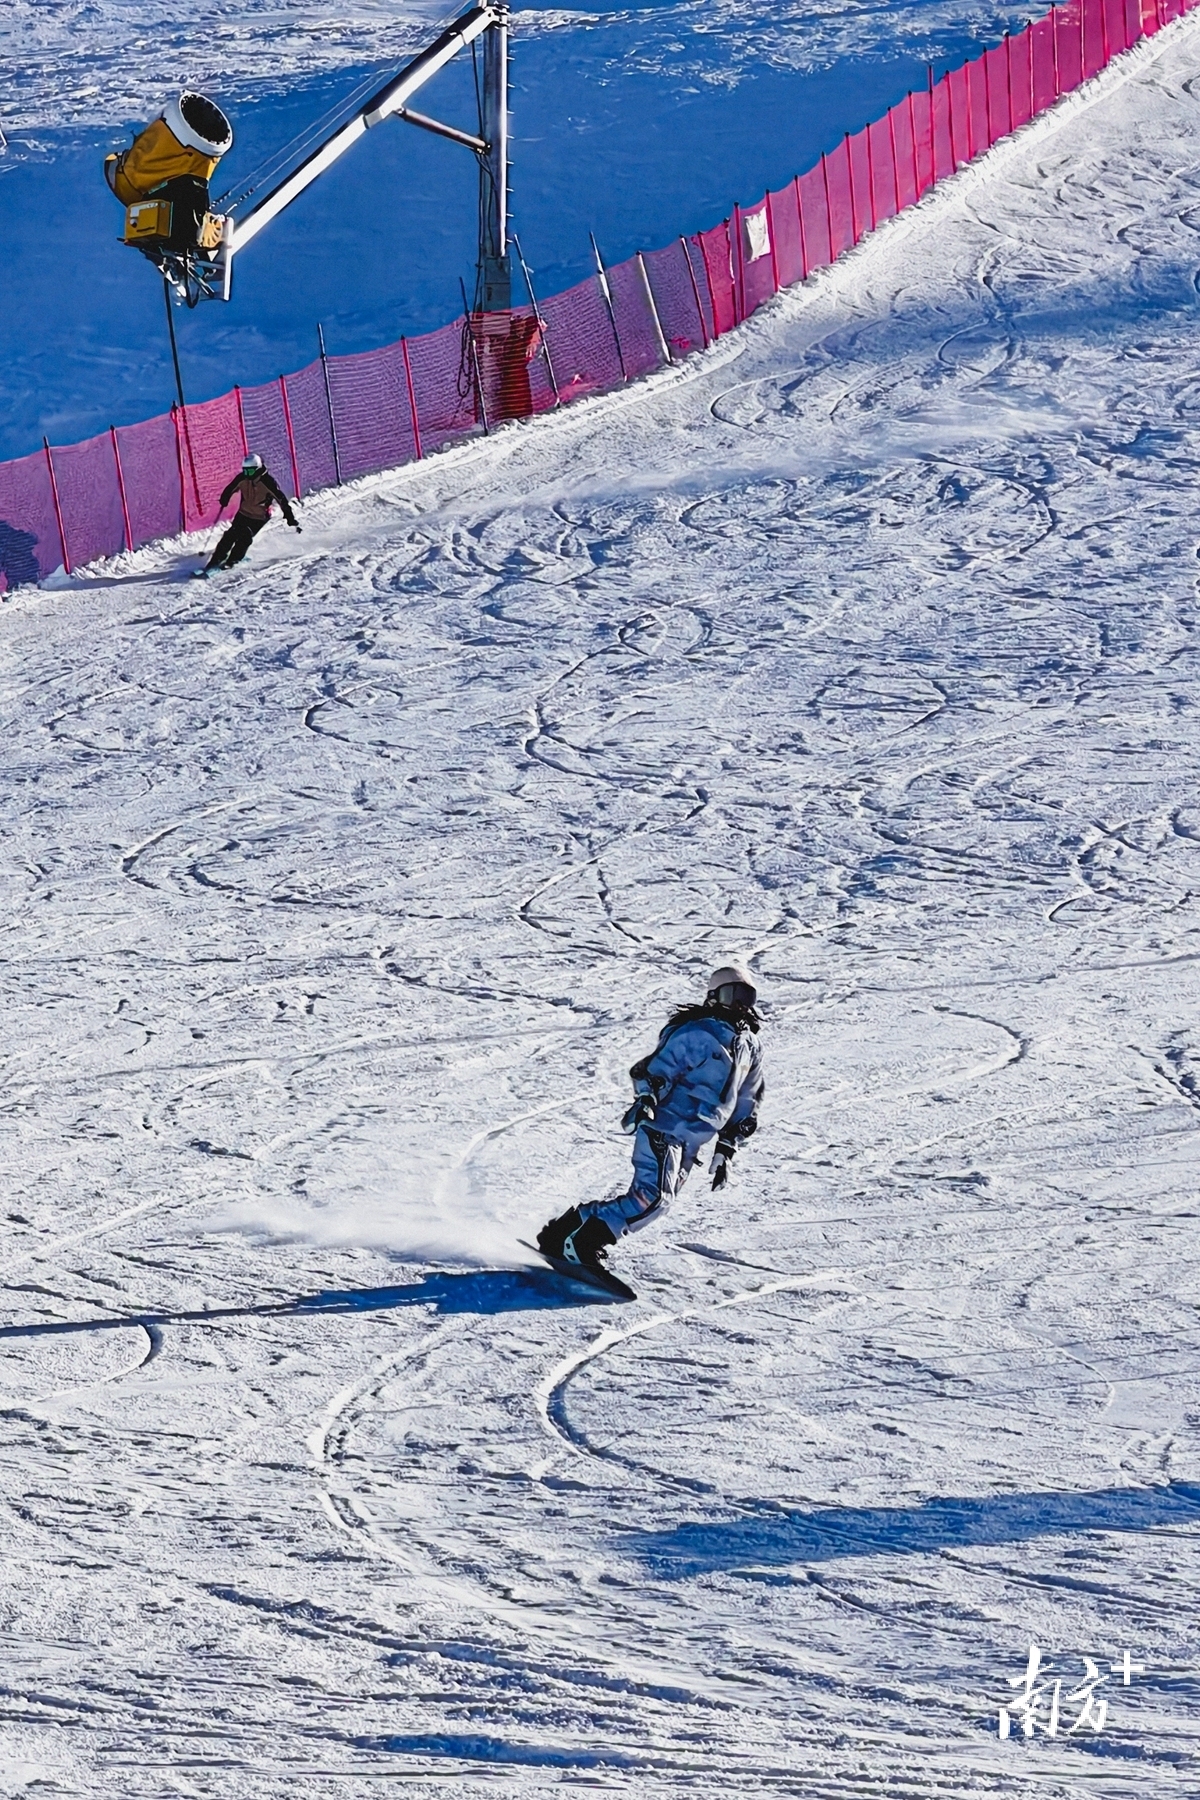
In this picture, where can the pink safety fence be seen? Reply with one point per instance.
(345, 416)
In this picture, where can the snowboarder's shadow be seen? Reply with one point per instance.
(481, 1291)
(760, 1544)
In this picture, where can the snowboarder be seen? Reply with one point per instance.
(257, 491)
(703, 1081)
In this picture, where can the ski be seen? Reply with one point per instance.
(601, 1280)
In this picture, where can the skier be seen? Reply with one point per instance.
(257, 491)
(703, 1081)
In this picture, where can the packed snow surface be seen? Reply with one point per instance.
(340, 896)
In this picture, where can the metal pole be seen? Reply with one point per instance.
(62, 535)
(291, 436)
(187, 435)
(912, 131)
(495, 264)
(687, 257)
(337, 462)
(771, 238)
(412, 398)
(828, 204)
(174, 345)
(479, 400)
(121, 485)
(662, 342)
(542, 327)
(800, 222)
(602, 275)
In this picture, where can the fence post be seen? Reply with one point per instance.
(912, 132)
(712, 298)
(112, 431)
(800, 222)
(895, 158)
(950, 117)
(291, 436)
(687, 255)
(987, 101)
(337, 461)
(1008, 76)
(62, 536)
(1104, 49)
(850, 179)
(179, 462)
(971, 113)
(543, 328)
(733, 235)
(828, 203)
(412, 398)
(1082, 40)
(771, 242)
(237, 394)
(606, 293)
(1054, 45)
(870, 177)
(658, 330)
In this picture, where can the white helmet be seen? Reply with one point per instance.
(253, 463)
(732, 985)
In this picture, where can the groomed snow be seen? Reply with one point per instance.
(340, 897)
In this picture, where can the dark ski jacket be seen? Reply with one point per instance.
(256, 495)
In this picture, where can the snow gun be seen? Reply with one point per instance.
(162, 182)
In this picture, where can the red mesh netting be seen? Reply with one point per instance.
(783, 207)
(210, 451)
(885, 187)
(675, 295)
(756, 260)
(371, 414)
(355, 414)
(90, 498)
(581, 343)
(907, 187)
(150, 463)
(447, 395)
(814, 216)
(640, 344)
(718, 266)
(309, 408)
(841, 207)
(1020, 76)
(266, 431)
(29, 541)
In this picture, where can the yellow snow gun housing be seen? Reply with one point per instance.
(162, 179)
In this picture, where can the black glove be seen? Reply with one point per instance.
(718, 1168)
(640, 1113)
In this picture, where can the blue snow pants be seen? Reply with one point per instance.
(660, 1168)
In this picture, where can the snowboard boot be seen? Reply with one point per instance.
(552, 1237)
(588, 1244)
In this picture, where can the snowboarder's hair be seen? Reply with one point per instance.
(737, 1016)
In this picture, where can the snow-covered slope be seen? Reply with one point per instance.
(341, 895)
(637, 124)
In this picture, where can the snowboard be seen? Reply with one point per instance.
(602, 1280)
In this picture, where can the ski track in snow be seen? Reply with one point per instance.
(341, 897)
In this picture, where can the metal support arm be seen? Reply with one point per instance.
(390, 99)
(478, 144)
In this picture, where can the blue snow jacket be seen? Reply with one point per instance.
(705, 1078)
